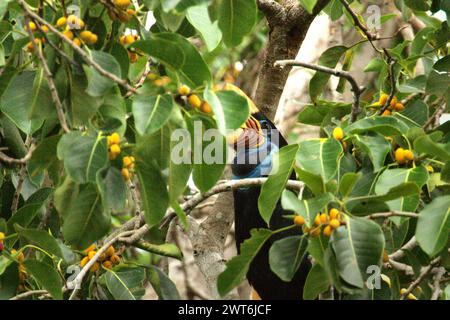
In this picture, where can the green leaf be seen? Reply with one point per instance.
(386, 126)
(426, 145)
(198, 16)
(433, 225)
(316, 114)
(85, 221)
(312, 181)
(165, 249)
(376, 146)
(151, 112)
(319, 156)
(113, 190)
(282, 166)
(308, 5)
(418, 5)
(286, 255)
(40, 238)
(9, 279)
(236, 20)
(155, 198)
(329, 59)
(161, 283)
(126, 284)
(316, 283)
(445, 172)
(83, 155)
(438, 83)
(230, 109)
(348, 182)
(18, 98)
(417, 111)
(81, 105)
(180, 55)
(98, 85)
(43, 156)
(46, 276)
(308, 208)
(357, 246)
(238, 266)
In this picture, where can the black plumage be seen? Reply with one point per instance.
(247, 217)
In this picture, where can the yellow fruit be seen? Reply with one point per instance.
(126, 174)
(85, 35)
(90, 248)
(184, 90)
(20, 257)
(2, 236)
(400, 155)
(315, 232)
(44, 29)
(32, 26)
(80, 24)
(334, 214)
(68, 34)
(95, 267)
(133, 57)
(394, 101)
(205, 107)
(110, 251)
(327, 231)
(194, 101)
(299, 220)
(102, 257)
(115, 149)
(383, 98)
(115, 259)
(84, 261)
(114, 138)
(93, 39)
(131, 12)
(409, 155)
(107, 264)
(399, 107)
(124, 16)
(61, 22)
(386, 113)
(152, 76)
(77, 42)
(338, 133)
(323, 218)
(385, 256)
(334, 223)
(410, 296)
(91, 254)
(72, 20)
(317, 220)
(129, 39)
(122, 3)
(430, 169)
(127, 162)
(386, 279)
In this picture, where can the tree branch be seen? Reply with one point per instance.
(437, 283)
(5, 158)
(338, 73)
(424, 272)
(28, 294)
(392, 214)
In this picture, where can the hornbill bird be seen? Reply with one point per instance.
(255, 143)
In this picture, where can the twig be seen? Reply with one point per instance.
(338, 73)
(21, 180)
(435, 117)
(141, 79)
(393, 81)
(28, 294)
(23, 160)
(77, 49)
(370, 36)
(48, 75)
(437, 283)
(424, 272)
(400, 253)
(392, 214)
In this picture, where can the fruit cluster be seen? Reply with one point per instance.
(121, 11)
(325, 222)
(159, 81)
(107, 259)
(113, 145)
(37, 40)
(394, 105)
(403, 156)
(194, 100)
(128, 167)
(23, 275)
(127, 40)
(73, 29)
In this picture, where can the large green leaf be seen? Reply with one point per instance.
(46, 276)
(113, 190)
(319, 156)
(151, 112)
(85, 221)
(236, 20)
(348, 182)
(316, 283)
(82, 106)
(433, 225)
(178, 54)
(384, 125)
(282, 166)
(198, 16)
(230, 109)
(417, 111)
(41, 239)
(83, 155)
(161, 283)
(394, 177)
(18, 98)
(312, 181)
(43, 156)
(126, 284)
(286, 255)
(357, 245)
(98, 85)
(329, 59)
(238, 266)
(426, 145)
(155, 198)
(376, 147)
(315, 114)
